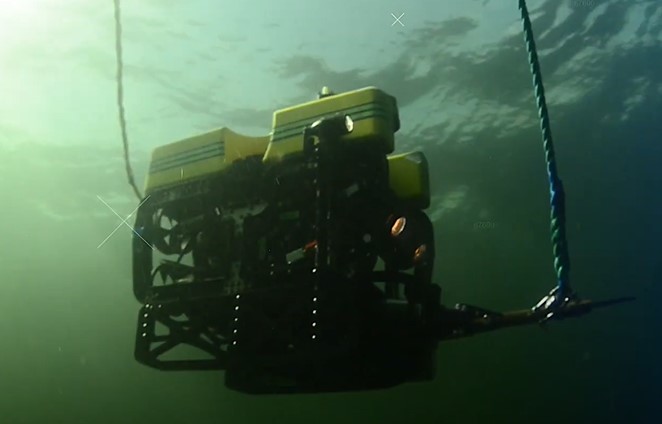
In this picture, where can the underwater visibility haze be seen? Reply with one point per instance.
(459, 72)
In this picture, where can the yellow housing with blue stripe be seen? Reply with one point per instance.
(375, 117)
(199, 156)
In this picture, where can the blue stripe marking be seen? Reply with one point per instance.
(357, 113)
(185, 158)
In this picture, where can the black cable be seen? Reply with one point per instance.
(120, 99)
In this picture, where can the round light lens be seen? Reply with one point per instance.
(349, 124)
(398, 226)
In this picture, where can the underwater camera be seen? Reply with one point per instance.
(296, 262)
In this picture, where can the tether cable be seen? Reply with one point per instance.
(120, 98)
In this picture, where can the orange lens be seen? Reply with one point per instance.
(419, 252)
(398, 226)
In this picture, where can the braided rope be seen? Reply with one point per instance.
(557, 195)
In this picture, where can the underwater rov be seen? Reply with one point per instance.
(301, 262)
